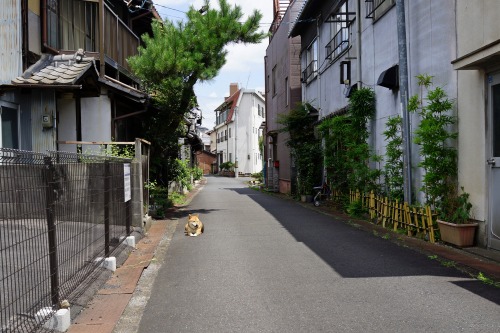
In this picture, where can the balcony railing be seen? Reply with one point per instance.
(338, 44)
(119, 41)
(310, 71)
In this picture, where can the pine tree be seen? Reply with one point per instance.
(178, 55)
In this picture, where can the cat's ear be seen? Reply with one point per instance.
(197, 215)
(189, 216)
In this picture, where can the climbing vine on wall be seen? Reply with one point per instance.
(393, 168)
(304, 146)
(347, 152)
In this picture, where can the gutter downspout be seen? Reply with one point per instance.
(358, 44)
(317, 64)
(102, 61)
(403, 91)
(227, 141)
(236, 142)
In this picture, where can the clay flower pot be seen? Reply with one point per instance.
(461, 235)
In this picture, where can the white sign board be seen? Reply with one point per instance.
(126, 182)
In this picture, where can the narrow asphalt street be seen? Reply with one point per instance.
(265, 264)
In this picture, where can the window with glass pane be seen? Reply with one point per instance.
(52, 23)
(495, 91)
(383, 7)
(274, 81)
(376, 8)
(311, 56)
(72, 25)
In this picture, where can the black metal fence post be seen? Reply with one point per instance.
(107, 205)
(51, 226)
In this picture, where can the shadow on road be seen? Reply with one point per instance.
(185, 211)
(357, 254)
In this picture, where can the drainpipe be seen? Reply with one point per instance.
(236, 142)
(102, 60)
(317, 64)
(403, 92)
(358, 43)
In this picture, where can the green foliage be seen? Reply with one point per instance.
(258, 176)
(173, 59)
(177, 198)
(158, 198)
(197, 173)
(439, 155)
(181, 174)
(261, 145)
(486, 280)
(347, 153)
(229, 166)
(457, 208)
(355, 209)
(304, 146)
(393, 169)
(122, 151)
(433, 136)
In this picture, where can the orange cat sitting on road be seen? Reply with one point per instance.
(194, 227)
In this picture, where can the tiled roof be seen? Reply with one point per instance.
(57, 70)
(233, 99)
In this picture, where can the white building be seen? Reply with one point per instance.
(238, 129)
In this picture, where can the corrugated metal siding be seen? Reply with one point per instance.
(25, 103)
(42, 139)
(10, 40)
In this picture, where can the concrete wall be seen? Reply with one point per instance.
(431, 44)
(283, 54)
(96, 120)
(478, 24)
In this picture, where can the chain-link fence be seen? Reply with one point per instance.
(61, 215)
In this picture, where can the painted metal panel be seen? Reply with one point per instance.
(10, 40)
(26, 137)
(42, 102)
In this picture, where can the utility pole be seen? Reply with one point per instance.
(403, 93)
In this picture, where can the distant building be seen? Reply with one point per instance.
(238, 129)
(204, 135)
(283, 92)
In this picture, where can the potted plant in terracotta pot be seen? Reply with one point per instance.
(454, 220)
(439, 160)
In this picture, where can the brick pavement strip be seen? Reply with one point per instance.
(106, 308)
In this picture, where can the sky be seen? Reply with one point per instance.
(244, 63)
